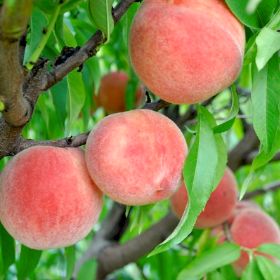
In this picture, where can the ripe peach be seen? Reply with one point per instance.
(219, 207)
(111, 93)
(240, 206)
(186, 51)
(251, 228)
(47, 199)
(136, 157)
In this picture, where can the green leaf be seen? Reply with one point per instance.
(216, 275)
(269, 270)
(2, 106)
(268, 43)
(38, 24)
(266, 110)
(88, 270)
(225, 126)
(270, 249)
(47, 6)
(252, 272)
(69, 5)
(211, 260)
(69, 38)
(7, 249)
(59, 97)
(228, 272)
(101, 15)
(75, 99)
(266, 115)
(254, 18)
(28, 260)
(201, 178)
(70, 255)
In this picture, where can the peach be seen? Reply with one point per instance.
(47, 198)
(111, 93)
(136, 157)
(186, 51)
(240, 206)
(219, 207)
(251, 228)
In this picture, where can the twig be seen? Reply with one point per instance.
(239, 154)
(84, 53)
(275, 186)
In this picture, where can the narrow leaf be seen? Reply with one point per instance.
(76, 98)
(268, 43)
(28, 260)
(252, 272)
(254, 18)
(70, 255)
(201, 178)
(270, 249)
(101, 15)
(211, 260)
(269, 270)
(7, 249)
(266, 110)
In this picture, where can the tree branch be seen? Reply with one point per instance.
(20, 109)
(275, 186)
(14, 18)
(73, 141)
(239, 154)
(13, 21)
(109, 230)
(84, 53)
(116, 256)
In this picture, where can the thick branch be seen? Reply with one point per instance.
(17, 109)
(14, 18)
(110, 230)
(114, 257)
(73, 141)
(13, 21)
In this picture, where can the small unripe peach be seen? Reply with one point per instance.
(136, 157)
(112, 90)
(186, 51)
(47, 199)
(219, 207)
(250, 229)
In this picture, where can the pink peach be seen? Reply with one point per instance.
(219, 207)
(136, 157)
(47, 199)
(186, 51)
(112, 90)
(251, 228)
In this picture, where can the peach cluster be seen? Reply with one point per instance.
(249, 226)
(51, 197)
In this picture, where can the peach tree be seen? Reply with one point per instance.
(189, 173)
